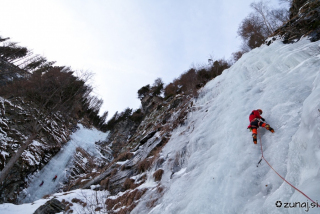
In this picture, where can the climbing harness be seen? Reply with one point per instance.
(262, 157)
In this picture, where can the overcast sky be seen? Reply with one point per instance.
(126, 43)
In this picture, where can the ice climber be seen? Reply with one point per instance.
(55, 177)
(41, 184)
(255, 122)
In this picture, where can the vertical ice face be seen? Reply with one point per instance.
(217, 171)
(84, 138)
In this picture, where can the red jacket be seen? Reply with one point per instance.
(254, 114)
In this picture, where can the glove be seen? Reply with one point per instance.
(263, 119)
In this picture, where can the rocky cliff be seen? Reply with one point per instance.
(304, 21)
(140, 149)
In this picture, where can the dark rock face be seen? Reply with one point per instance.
(139, 148)
(294, 9)
(14, 130)
(305, 21)
(51, 207)
(84, 166)
(126, 129)
(145, 139)
(119, 135)
(149, 103)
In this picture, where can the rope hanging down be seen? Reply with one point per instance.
(281, 176)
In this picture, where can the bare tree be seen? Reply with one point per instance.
(260, 24)
(253, 31)
(157, 87)
(262, 9)
(172, 88)
(279, 16)
(11, 51)
(188, 82)
(237, 55)
(272, 18)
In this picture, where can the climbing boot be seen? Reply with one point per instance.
(254, 138)
(269, 128)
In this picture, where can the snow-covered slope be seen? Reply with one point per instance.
(210, 162)
(216, 157)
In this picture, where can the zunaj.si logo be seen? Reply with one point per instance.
(278, 204)
(305, 205)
